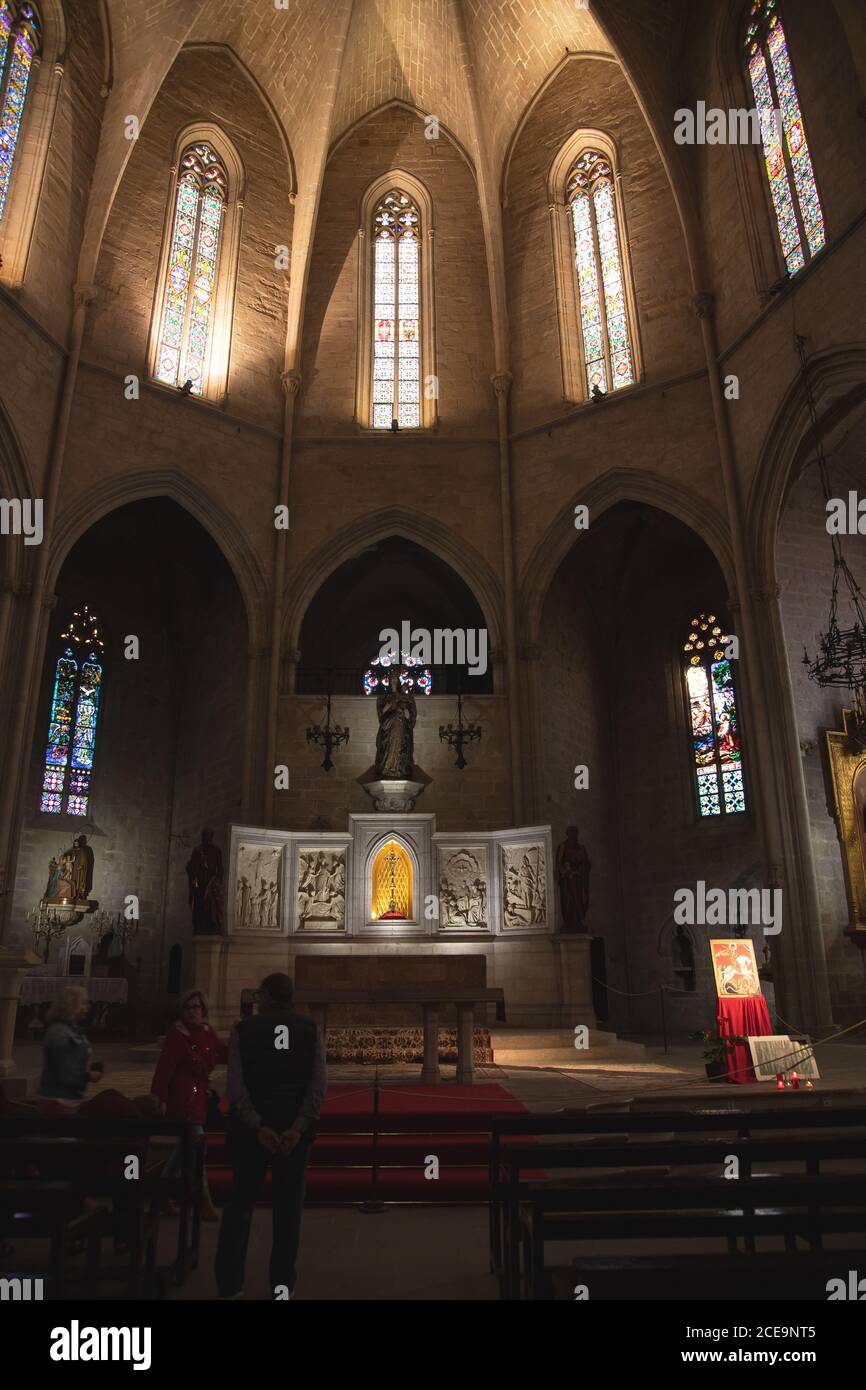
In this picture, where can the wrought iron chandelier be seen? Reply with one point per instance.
(328, 736)
(841, 659)
(462, 734)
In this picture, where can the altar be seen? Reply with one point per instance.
(393, 885)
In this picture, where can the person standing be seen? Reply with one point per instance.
(180, 1083)
(66, 1064)
(276, 1086)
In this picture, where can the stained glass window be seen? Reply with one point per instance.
(75, 700)
(607, 345)
(20, 43)
(191, 276)
(396, 239)
(714, 719)
(786, 154)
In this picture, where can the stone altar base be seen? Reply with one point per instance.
(545, 979)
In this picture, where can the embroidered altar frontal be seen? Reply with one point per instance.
(389, 1045)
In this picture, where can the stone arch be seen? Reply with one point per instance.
(839, 383)
(619, 485)
(656, 123)
(414, 111)
(453, 550)
(250, 77)
(15, 481)
(107, 497)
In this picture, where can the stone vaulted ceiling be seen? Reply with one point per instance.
(324, 64)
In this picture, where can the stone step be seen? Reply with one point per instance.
(542, 1046)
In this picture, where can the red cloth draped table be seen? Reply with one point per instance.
(744, 1018)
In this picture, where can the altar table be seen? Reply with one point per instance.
(431, 1001)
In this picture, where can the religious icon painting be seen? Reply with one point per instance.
(735, 968)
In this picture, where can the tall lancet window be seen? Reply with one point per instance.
(75, 699)
(20, 45)
(714, 719)
(787, 161)
(396, 393)
(188, 309)
(608, 356)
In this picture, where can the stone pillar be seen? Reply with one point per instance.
(465, 1044)
(14, 964)
(210, 955)
(502, 385)
(430, 1070)
(576, 976)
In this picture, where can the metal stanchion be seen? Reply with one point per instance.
(664, 1019)
(373, 1206)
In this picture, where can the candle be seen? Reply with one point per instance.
(780, 1081)
(795, 1080)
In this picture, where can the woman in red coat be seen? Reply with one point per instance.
(181, 1081)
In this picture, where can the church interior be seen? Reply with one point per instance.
(431, 437)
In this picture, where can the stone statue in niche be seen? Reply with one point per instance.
(204, 871)
(257, 888)
(395, 739)
(683, 954)
(322, 889)
(463, 888)
(524, 885)
(572, 870)
(70, 878)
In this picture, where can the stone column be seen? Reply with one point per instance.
(430, 1070)
(208, 953)
(502, 386)
(14, 964)
(465, 1044)
(575, 973)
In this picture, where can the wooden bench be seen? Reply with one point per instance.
(805, 1207)
(509, 1156)
(91, 1153)
(34, 1209)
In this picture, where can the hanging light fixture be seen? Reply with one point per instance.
(328, 736)
(457, 736)
(841, 659)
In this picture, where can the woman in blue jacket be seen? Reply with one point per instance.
(66, 1065)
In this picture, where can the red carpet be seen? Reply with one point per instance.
(451, 1122)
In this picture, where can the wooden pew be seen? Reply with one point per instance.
(33, 1209)
(508, 1156)
(804, 1206)
(52, 1141)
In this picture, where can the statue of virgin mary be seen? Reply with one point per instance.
(394, 741)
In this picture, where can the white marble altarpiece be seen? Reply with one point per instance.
(301, 883)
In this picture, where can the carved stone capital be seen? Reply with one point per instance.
(501, 382)
(83, 295)
(766, 594)
(704, 305)
(291, 382)
(292, 657)
(49, 601)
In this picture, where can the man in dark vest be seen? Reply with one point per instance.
(276, 1086)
